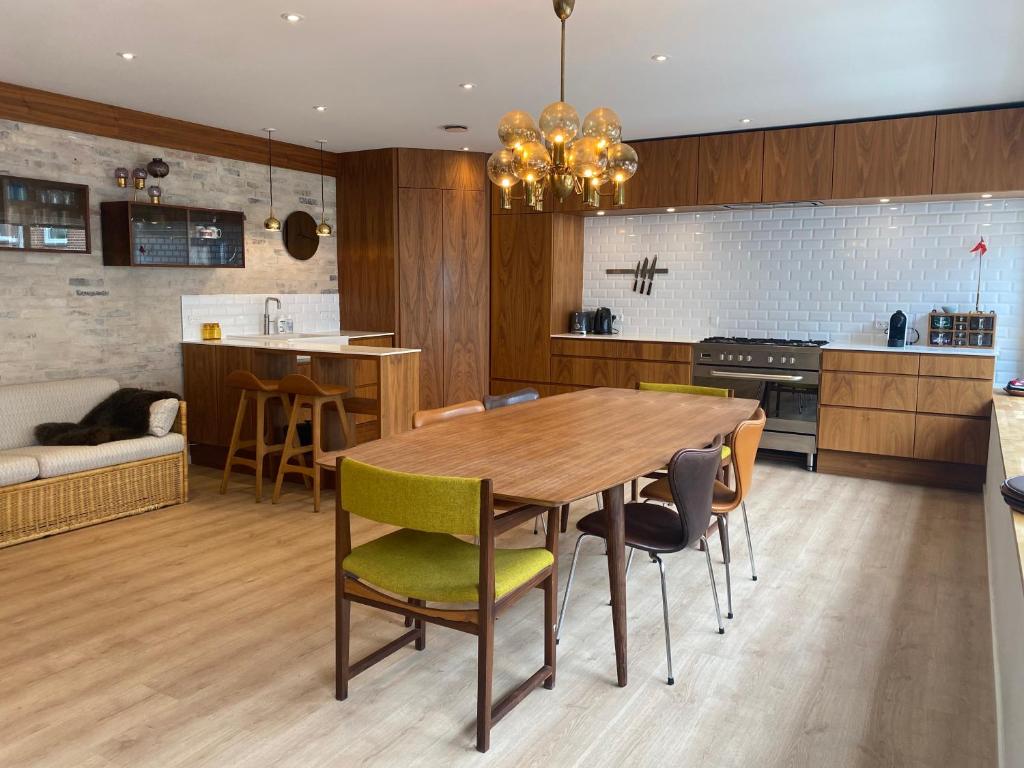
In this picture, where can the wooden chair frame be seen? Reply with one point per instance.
(477, 621)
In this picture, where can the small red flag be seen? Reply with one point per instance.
(981, 249)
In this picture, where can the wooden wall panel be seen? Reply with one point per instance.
(798, 164)
(421, 293)
(979, 152)
(466, 286)
(729, 168)
(951, 438)
(884, 158)
(520, 296)
(566, 269)
(905, 363)
(869, 390)
(667, 175)
(367, 240)
(862, 430)
(442, 169)
(72, 114)
(963, 397)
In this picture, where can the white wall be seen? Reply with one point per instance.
(826, 272)
(66, 315)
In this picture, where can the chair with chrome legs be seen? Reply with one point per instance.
(745, 441)
(659, 530)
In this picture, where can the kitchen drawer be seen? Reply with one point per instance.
(961, 397)
(869, 390)
(959, 367)
(633, 350)
(626, 374)
(905, 363)
(951, 438)
(863, 430)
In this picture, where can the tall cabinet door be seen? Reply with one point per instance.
(420, 294)
(466, 284)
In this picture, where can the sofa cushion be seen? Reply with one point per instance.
(23, 406)
(56, 460)
(16, 469)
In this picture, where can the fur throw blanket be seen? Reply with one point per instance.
(122, 416)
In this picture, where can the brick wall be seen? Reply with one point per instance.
(826, 272)
(66, 315)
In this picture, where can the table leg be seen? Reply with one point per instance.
(615, 518)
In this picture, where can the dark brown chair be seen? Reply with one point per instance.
(524, 395)
(659, 530)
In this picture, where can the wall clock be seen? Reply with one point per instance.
(300, 237)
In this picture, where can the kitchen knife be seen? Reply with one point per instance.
(643, 275)
(650, 280)
(636, 275)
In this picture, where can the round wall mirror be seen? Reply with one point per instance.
(300, 237)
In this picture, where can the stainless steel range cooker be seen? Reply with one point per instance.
(782, 374)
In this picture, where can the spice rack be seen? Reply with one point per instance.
(973, 330)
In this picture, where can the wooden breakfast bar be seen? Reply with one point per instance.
(383, 382)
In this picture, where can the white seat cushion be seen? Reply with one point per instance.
(23, 406)
(16, 469)
(57, 460)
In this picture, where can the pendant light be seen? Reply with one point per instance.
(323, 229)
(271, 223)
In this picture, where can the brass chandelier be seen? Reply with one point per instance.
(574, 158)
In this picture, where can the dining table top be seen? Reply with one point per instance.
(559, 449)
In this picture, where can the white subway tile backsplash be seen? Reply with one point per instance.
(242, 314)
(826, 272)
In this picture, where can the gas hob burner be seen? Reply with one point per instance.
(764, 342)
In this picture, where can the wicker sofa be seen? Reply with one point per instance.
(50, 489)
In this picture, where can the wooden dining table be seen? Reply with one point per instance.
(557, 450)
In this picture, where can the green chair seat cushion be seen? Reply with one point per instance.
(682, 389)
(440, 568)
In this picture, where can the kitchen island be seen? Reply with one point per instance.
(383, 382)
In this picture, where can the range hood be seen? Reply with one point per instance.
(758, 206)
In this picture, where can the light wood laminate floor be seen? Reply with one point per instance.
(203, 635)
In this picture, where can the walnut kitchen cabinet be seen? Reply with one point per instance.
(884, 158)
(729, 168)
(413, 259)
(667, 175)
(593, 362)
(979, 151)
(798, 164)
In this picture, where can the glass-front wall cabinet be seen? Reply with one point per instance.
(39, 215)
(158, 235)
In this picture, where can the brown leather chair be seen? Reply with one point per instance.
(659, 530)
(259, 392)
(445, 412)
(307, 393)
(745, 441)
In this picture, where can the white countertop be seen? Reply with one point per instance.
(668, 337)
(917, 349)
(307, 344)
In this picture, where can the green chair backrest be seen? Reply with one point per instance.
(684, 389)
(421, 502)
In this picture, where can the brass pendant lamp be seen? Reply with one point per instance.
(574, 158)
(271, 223)
(323, 229)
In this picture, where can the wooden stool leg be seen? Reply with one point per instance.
(306, 479)
(346, 426)
(317, 449)
(233, 447)
(289, 445)
(261, 443)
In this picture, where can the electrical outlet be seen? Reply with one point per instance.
(881, 325)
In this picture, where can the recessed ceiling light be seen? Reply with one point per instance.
(670, 210)
(883, 199)
(987, 195)
(465, 149)
(600, 213)
(988, 205)
(292, 18)
(320, 108)
(467, 86)
(659, 57)
(893, 208)
(129, 56)
(745, 120)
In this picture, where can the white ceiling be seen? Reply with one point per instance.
(389, 71)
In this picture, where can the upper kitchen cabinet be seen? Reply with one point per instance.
(798, 164)
(980, 152)
(413, 259)
(884, 158)
(667, 175)
(729, 168)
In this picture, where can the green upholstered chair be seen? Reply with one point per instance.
(423, 562)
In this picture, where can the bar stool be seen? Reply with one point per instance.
(259, 392)
(307, 393)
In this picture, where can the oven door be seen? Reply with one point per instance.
(789, 397)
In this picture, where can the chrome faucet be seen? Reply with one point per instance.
(266, 314)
